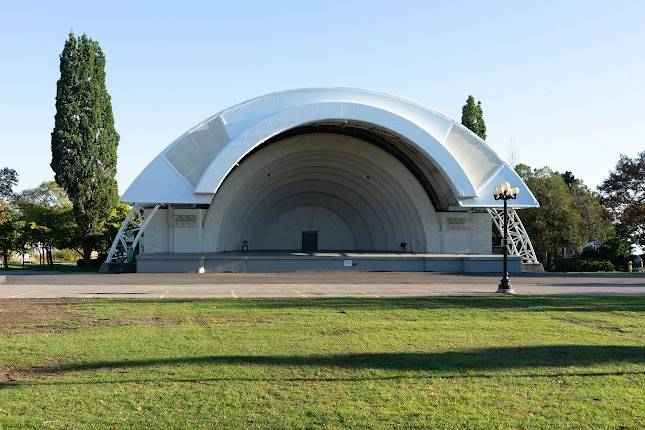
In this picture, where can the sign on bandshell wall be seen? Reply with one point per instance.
(455, 223)
(184, 221)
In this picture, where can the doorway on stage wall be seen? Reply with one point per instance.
(310, 241)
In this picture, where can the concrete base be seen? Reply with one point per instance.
(118, 268)
(254, 262)
(532, 267)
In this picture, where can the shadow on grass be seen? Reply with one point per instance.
(573, 303)
(310, 379)
(450, 364)
(478, 359)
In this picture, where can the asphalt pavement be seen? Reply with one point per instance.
(305, 285)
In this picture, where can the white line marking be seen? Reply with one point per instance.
(367, 294)
(234, 295)
(299, 293)
(164, 294)
(20, 295)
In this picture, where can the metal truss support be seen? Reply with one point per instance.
(129, 235)
(519, 243)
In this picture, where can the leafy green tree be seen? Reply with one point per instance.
(623, 194)
(84, 140)
(596, 224)
(112, 227)
(9, 235)
(524, 172)
(49, 220)
(8, 179)
(48, 194)
(4, 214)
(556, 223)
(472, 117)
(28, 238)
(570, 214)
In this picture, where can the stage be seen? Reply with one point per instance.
(297, 261)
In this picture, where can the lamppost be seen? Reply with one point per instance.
(505, 192)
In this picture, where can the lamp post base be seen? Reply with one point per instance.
(505, 286)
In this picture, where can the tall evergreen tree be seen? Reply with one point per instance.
(84, 141)
(472, 117)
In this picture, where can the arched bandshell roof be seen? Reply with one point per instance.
(460, 165)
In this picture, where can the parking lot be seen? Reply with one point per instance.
(328, 284)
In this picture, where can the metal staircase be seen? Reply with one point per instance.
(519, 243)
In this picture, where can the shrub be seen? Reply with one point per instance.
(597, 266)
(616, 250)
(64, 255)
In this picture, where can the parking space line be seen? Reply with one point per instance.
(300, 294)
(234, 295)
(368, 294)
(21, 294)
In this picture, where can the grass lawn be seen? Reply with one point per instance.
(439, 362)
(56, 267)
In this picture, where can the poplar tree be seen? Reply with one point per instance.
(84, 141)
(472, 117)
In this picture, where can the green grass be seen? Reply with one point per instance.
(613, 272)
(483, 362)
(56, 267)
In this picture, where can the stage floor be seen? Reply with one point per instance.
(324, 261)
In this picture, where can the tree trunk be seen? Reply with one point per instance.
(5, 258)
(87, 251)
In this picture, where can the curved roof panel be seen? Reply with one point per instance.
(196, 164)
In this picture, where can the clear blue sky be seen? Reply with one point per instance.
(563, 81)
